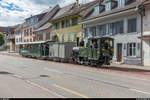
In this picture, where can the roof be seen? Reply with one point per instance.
(44, 27)
(113, 11)
(48, 16)
(72, 9)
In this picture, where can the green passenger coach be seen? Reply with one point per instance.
(34, 49)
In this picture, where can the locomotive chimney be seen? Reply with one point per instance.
(77, 3)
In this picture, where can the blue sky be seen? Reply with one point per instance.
(14, 12)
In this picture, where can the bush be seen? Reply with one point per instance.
(2, 41)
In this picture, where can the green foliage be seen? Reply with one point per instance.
(2, 41)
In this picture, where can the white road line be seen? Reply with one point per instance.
(139, 91)
(53, 70)
(17, 76)
(45, 89)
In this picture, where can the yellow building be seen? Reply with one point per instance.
(66, 27)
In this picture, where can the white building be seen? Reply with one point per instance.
(146, 34)
(120, 20)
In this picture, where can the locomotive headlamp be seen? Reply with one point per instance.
(103, 49)
(112, 49)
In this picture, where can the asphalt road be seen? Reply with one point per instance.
(36, 78)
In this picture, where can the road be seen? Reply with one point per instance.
(22, 77)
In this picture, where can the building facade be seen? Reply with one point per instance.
(43, 33)
(120, 20)
(146, 34)
(29, 27)
(18, 37)
(65, 22)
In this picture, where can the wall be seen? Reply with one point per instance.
(146, 42)
(69, 30)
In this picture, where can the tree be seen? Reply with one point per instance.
(2, 41)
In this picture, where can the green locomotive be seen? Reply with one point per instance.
(98, 51)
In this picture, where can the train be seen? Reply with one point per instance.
(96, 52)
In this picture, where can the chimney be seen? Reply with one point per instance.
(77, 3)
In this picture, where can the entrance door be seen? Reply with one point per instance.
(119, 52)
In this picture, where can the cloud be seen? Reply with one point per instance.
(14, 12)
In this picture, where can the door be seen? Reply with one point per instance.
(119, 52)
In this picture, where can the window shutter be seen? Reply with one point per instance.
(138, 50)
(125, 50)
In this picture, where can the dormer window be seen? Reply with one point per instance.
(110, 4)
(127, 2)
(96, 9)
(121, 3)
(99, 8)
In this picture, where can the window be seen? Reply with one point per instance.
(41, 37)
(85, 32)
(132, 25)
(127, 2)
(30, 40)
(63, 38)
(92, 31)
(75, 36)
(116, 27)
(74, 21)
(47, 35)
(63, 24)
(69, 37)
(96, 9)
(131, 51)
(102, 30)
(101, 8)
(67, 23)
(108, 6)
(56, 26)
(121, 3)
(30, 30)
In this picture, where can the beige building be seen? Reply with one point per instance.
(28, 35)
(43, 33)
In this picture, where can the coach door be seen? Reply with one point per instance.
(119, 52)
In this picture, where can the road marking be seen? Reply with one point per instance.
(53, 70)
(140, 91)
(68, 90)
(45, 89)
(18, 76)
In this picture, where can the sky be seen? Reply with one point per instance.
(13, 12)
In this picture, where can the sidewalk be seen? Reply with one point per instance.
(10, 53)
(130, 66)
